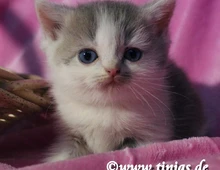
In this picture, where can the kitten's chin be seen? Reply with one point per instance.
(113, 92)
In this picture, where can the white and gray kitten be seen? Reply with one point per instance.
(112, 82)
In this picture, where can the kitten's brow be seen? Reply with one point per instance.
(128, 29)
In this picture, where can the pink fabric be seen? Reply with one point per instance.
(188, 151)
(195, 48)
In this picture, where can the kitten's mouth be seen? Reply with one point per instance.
(113, 82)
(110, 82)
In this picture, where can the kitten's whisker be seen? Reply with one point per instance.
(154, 97)
(146, 74)
(169, 91)
(145, 101)
(154, 84)
(156, 104)
(134, 93)
(151, 78)
(164, 89)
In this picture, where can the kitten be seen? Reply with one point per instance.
(113, 84)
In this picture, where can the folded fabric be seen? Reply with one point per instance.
(191, 152)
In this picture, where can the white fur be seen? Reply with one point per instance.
(106, 41)
(105, 124)
(105, 117)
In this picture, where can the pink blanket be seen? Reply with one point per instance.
(195, 48)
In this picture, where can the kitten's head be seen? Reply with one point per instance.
(106, 50)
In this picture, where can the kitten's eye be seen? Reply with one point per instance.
(87, 56)
(133, 54)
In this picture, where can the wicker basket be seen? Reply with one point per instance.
(24, 100)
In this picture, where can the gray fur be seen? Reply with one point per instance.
(142, 108)
(79, 25)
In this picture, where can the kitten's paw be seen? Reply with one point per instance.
(57, 157)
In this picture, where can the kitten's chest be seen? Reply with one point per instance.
(104, 128)
(98, 118)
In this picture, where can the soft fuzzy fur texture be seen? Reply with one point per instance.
(139, 107)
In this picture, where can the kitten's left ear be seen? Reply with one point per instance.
(51, 17)
(158, 13)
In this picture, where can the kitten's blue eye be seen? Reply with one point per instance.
(87, 56)
(133, 54)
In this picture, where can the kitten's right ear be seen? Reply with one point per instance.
(51, 17)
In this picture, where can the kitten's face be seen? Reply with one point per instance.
(106, 51)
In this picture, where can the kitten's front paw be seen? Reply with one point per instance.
(128, 142)
(57, 157)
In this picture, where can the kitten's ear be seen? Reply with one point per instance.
(51, 17)
(159, 13)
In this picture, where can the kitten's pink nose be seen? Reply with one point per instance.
(113, 72)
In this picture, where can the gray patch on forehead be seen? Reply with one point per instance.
(80, 28)
(84, 22)
(126, 17)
